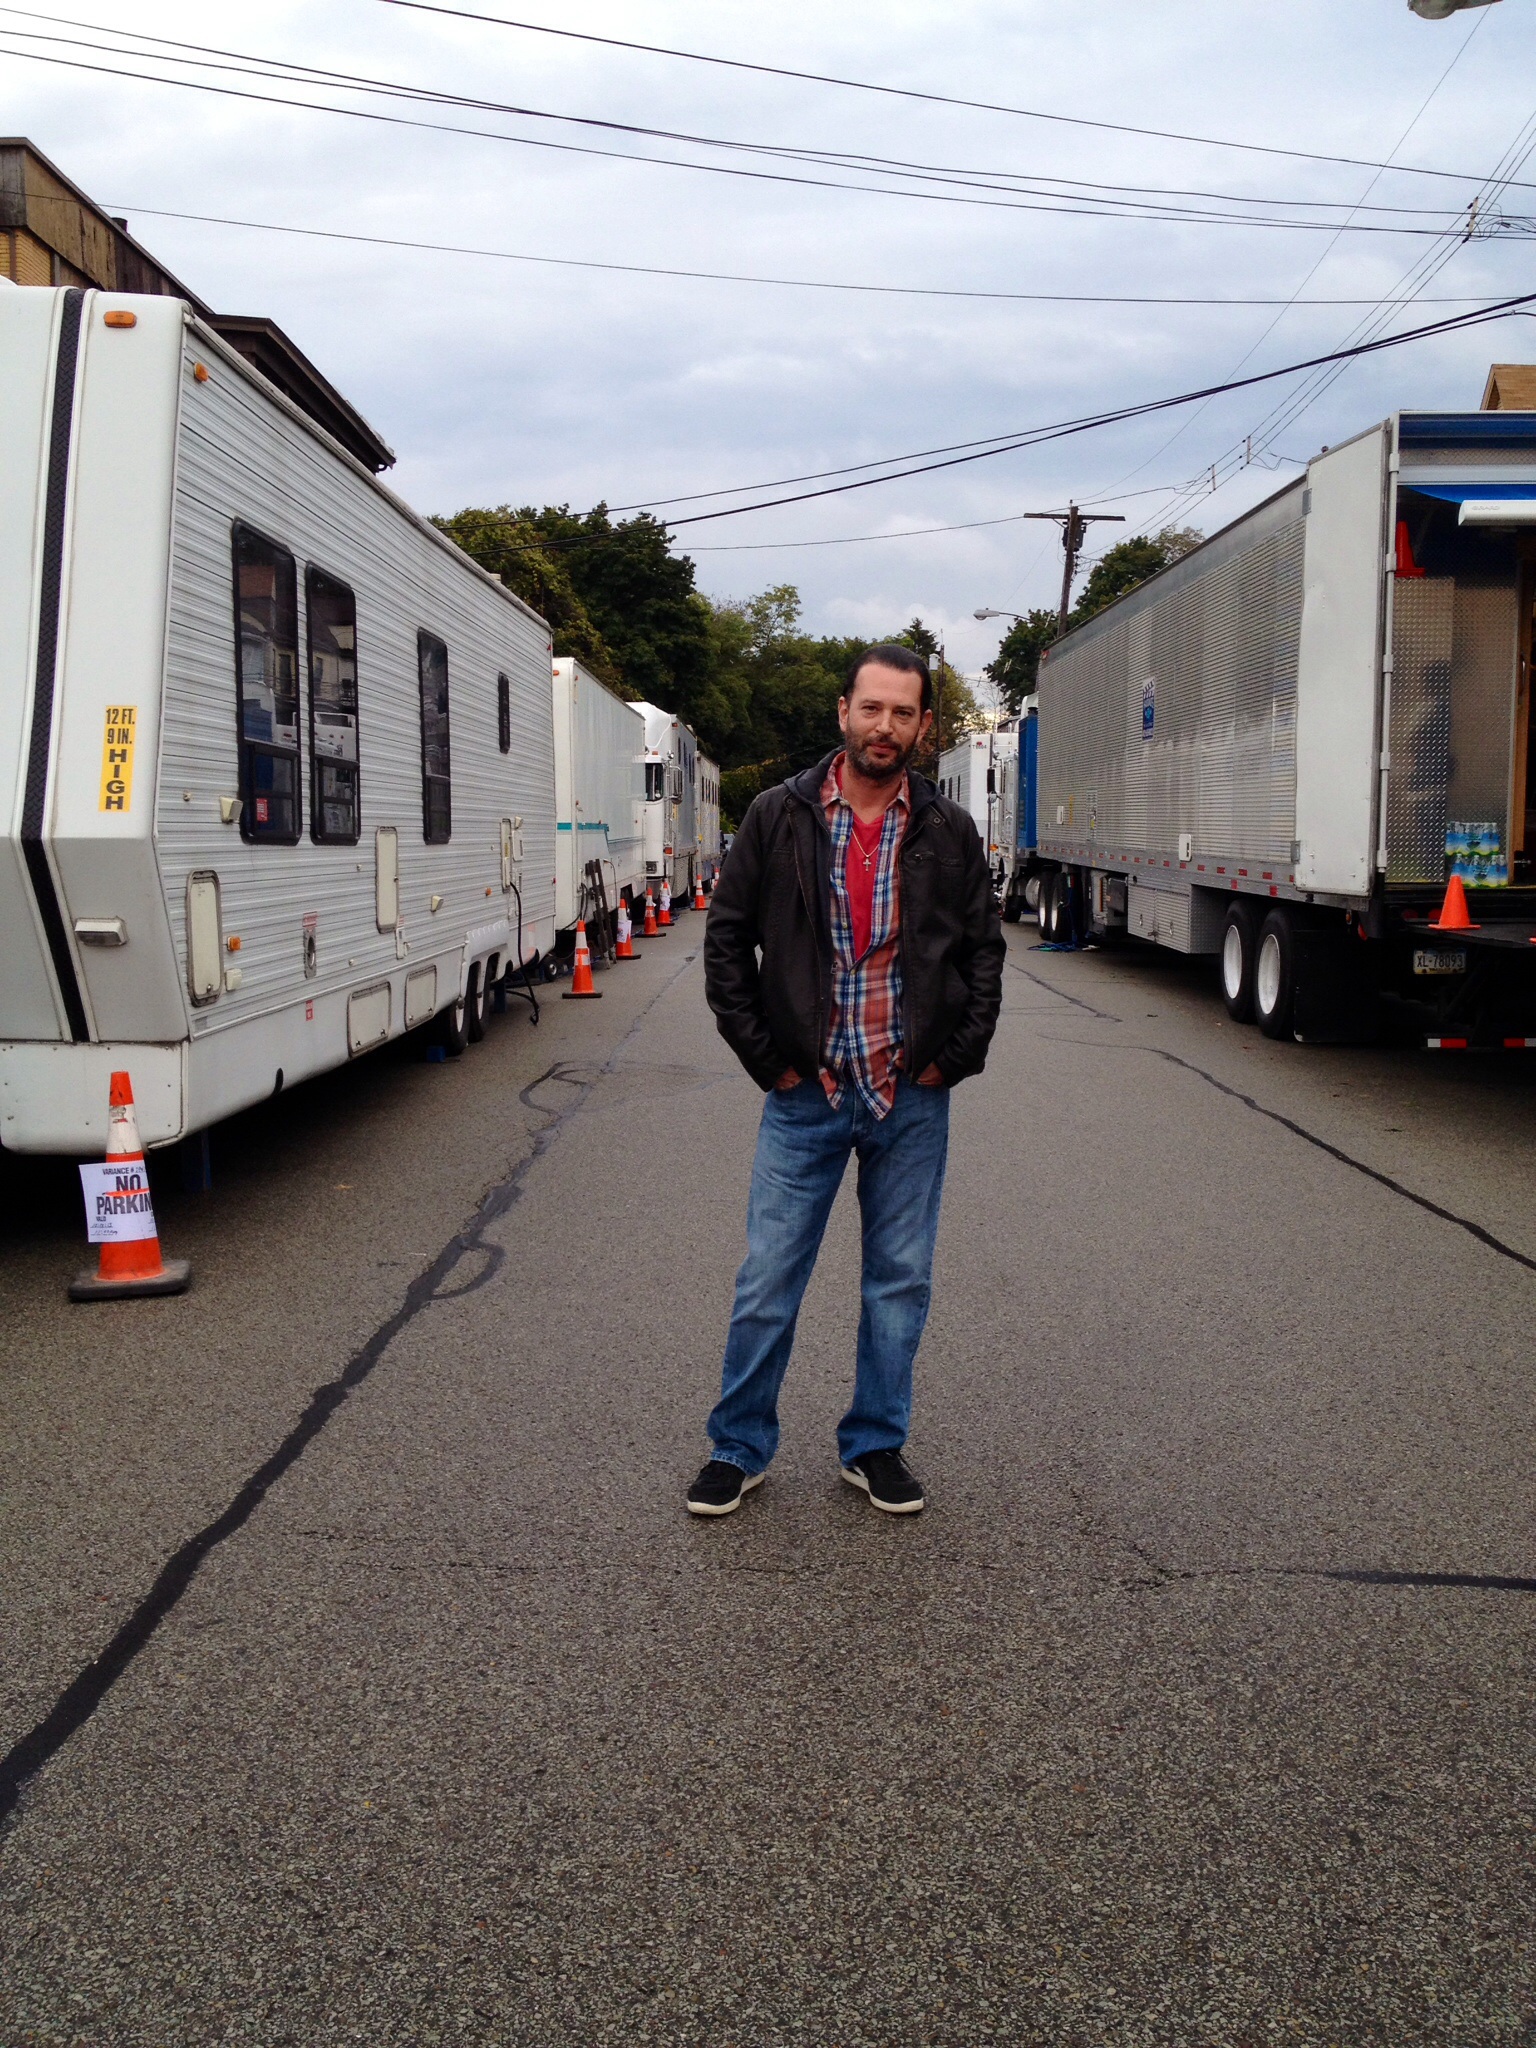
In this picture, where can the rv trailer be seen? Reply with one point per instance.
(276, 759)
(979, 774)
(671, 801)
(709, 818)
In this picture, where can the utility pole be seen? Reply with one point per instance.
(1074, 531)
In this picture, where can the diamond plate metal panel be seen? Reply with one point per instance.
(1423, 619)
(1483, 655)
(1211, 659)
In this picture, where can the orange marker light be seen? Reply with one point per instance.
(232, 943)
(120, 319)
(200, 372)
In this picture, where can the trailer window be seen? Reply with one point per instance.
(333, 763)
(654, 771)
(267, 677)
(436, 798)
(504, 714)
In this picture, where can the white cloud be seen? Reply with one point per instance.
(512, 381)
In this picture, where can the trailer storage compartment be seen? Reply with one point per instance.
(1306, 726)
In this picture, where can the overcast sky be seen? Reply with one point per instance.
(516, 381)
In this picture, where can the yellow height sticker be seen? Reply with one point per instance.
(117, 757)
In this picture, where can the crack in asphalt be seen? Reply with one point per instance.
(1386, 1180)
(1349, 1575)
(85, 1692)
(1076, 1001)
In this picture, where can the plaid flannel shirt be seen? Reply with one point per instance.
(863, 1041)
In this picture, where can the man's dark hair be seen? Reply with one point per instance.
(891, 655)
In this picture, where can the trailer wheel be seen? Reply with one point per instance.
(450, 1028)
(1239, 944)
(474, 1007)
(1011, 904)
(1274, 976)
(1059, 909)
(1032, 894)
(1045, 888)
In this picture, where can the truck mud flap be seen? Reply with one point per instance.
(1337, 998)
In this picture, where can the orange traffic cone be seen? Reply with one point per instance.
(664, 915)
(622, 948)
(120, 1217)
(581, 980)
(1454, 914)
(650, 929)
(698, 891)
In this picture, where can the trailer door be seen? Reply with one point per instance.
(1339, 666)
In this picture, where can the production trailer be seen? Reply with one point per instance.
(1279, 750)
(710, 850)
(979, 773)
(599, 794)
(276, 759)
(671, 801)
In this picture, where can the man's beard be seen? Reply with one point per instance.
(879, 769)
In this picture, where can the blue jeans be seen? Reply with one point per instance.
(802, 1149)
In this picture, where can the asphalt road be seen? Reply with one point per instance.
(1197, 1710)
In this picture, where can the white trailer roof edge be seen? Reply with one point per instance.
(216, 344)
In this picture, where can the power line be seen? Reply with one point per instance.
(1461, 50)
(929, 98)
(973, 195)
(247, 64)
(1284, 415)
(817, 284)
(1005, 443)
(1037, 437)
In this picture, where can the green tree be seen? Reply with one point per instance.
(1015, 669)
(642, 599)
(1120, 568)
(511, 547)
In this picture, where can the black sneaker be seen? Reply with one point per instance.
(890, 1485)
(719, 1488)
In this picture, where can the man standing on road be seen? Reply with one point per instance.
(868, 898)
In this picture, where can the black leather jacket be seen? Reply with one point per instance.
(774, 899)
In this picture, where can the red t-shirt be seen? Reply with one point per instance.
(863, 846)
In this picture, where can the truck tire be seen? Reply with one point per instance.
(475, 997)
(450, 1028)
(1011, 904)
(1274, 976)
(1239, 946)
(1059, 922)
(1045, 889)
(1032, 893)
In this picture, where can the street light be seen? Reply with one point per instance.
(987, 612)
(1442, 10)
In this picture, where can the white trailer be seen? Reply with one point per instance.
(710, 850)
(226, 863)
(599, 791)
(980, 773)
(671, 801)
(1279, 750)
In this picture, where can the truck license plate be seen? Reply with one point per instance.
(1438, 962)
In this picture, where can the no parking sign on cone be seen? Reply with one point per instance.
(120, 1216)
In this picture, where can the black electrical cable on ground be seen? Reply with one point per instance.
(526, 991)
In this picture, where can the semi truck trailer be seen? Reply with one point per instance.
(1280, 750)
